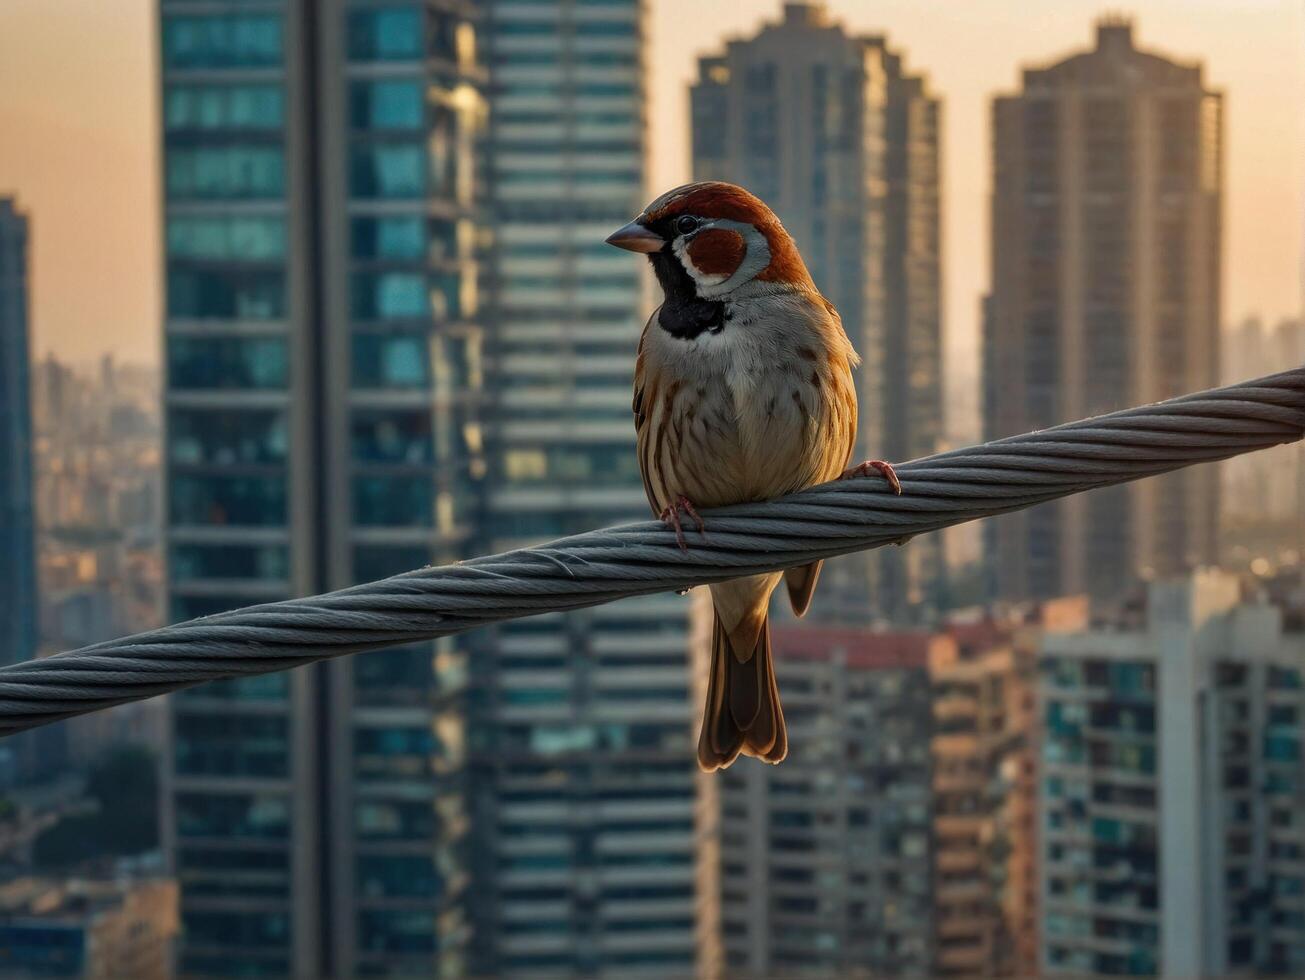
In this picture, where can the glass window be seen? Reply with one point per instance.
(386, 104)
(394, 501)
(395, 436)
(251, 501)
(388, 170)
(387, 34)
(606, 28)
(391, 361)
(400, 237)
(226, 237)
(225, 293)
(227, 362)
(226, 436)
(398, 675)
(206, 107)
(263, 562)
(396, 931)
(223, 172)
(389, 295)
(253, 929)
(394, 819)
(233, 815)
(221, 41)
(398, 876)
(231, 744)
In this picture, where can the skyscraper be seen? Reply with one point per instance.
(1172, 838)
(582, 743)
(843, 143)
(1106, 241)
(825, 860)
(324, 362)
(18, 603)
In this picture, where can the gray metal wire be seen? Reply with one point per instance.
(637, 559)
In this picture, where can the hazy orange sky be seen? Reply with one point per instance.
(78, 141)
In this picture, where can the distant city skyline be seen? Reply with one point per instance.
(76, 85)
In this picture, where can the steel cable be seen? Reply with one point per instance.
(637, 559)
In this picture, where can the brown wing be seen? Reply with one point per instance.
(801, 582)
(642, 399)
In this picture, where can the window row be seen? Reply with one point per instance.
(222, 41)
(227, 237)
(210, 107)
(225, 172)
(227, 362)
(403, 34)
(225, 294)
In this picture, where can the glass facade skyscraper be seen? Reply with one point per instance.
(324, 364)
(18, 605)
(582, 747)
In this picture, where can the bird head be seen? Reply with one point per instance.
(719, 239)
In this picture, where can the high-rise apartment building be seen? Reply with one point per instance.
(582, 747)
(825, 863)
(983, 748)
(18, 604)
(324, 363)
(1106, 242)
(1172, 841)
(843, 142)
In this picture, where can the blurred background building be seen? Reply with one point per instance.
(21, 758)
(323, 376)
(825, 861)
(393, 337)
(585, 784)
(1106, 277)
(18, 597)
(1172, 839)
(1263, 494)
(843, 142)
(88, 928)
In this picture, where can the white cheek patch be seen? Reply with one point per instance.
(714, 285)
(703, 279)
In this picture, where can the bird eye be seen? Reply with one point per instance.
(685, 223)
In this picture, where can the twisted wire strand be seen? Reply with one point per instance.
(637, 559)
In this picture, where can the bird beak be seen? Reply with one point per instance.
(636, 238)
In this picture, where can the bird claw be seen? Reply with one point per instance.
(671, 517)
(878, 466)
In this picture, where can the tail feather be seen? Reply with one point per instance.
(743, 713)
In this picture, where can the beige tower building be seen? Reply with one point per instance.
(1106, 267)
(834, 133)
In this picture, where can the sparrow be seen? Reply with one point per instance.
(743, 391)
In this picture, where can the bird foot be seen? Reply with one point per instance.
(671, 517)
(878, 466)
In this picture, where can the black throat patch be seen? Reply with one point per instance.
(683, 314)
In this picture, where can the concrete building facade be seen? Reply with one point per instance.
(843, 142)
(825, 861)
(984, 748)
(1171, 841)
(1106, 276)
